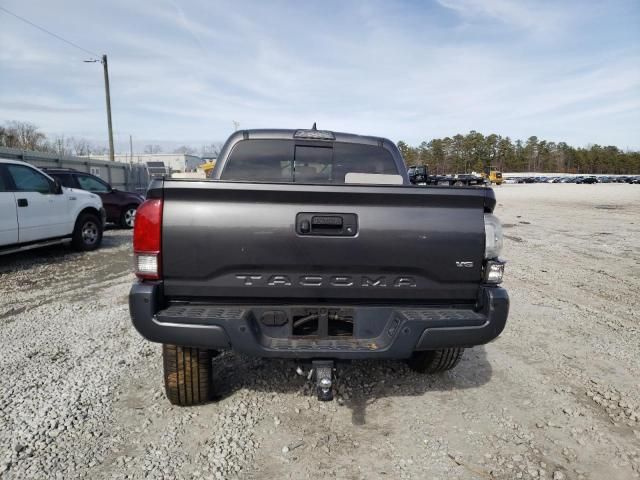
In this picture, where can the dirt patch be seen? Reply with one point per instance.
(514, 238)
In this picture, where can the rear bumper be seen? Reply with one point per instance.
(379, 331)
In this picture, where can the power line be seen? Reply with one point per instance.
(48, 32)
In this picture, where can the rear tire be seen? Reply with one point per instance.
(128, 216)
(435, 361)
(87, 233)
(187, 375)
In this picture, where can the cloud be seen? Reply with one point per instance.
(37, 105)
(533, 16)
(185, 72)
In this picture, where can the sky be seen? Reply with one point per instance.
(183, 72)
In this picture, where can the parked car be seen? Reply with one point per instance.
(526, 180)
(120, 206)
(323, 251)
(589, 180)
(35, 211)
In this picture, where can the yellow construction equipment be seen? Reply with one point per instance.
(493, 175)
(207, 166)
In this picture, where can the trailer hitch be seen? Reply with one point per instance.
(323, 372)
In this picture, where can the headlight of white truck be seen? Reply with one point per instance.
(493, 236)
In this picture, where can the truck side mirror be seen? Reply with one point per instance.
(57, 187)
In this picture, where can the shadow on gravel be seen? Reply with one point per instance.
(358, 383)
(58, 254)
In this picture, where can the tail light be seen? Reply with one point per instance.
(493, 236)
(147, 240)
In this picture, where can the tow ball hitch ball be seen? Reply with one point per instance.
(324, 380)
(324, 389)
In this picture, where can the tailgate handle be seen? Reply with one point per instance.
(327, 224)
(326, 221)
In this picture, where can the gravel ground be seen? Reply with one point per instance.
(557, 396)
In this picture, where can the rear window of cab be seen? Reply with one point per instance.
(288, 161)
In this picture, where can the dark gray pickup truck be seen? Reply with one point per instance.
(313, 245)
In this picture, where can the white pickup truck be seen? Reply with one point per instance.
(36, 211)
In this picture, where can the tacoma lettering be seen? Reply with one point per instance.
(370, 282)
(279, 280)
(248, 279)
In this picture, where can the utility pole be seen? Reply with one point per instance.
(108, 97)
(131, 148)
(236, 125)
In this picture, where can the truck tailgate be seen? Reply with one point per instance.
(241, 242)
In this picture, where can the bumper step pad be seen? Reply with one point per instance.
(447, 315)
(192, 313)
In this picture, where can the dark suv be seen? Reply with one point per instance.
(120, 206)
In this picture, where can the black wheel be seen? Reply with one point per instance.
(87, 234)
(128, 216)
(434, 361)
(187, 375)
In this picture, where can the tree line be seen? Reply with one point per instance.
(457, 154)
(27, 136)
(474, 151)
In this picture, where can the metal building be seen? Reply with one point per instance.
(177, 162)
